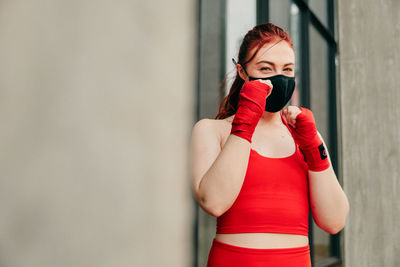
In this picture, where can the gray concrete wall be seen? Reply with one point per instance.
(369, 45)
(96, 108)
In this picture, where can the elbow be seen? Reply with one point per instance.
(334, 229)
(210, 208)
(338, 226)
(211, 204)
(334, 225)
(215, 212)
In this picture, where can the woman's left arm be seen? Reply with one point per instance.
(329, 203)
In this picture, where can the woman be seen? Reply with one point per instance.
(258, 166)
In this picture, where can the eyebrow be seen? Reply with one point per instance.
(272, 63)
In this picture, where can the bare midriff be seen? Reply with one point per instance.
(263, 240)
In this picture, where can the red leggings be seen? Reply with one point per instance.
(223, 254)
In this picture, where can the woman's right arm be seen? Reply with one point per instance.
(217, 175)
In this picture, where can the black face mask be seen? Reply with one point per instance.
(282, 91)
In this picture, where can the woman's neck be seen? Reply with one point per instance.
(270, 118)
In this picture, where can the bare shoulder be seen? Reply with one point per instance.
(212, 130)
(206, 130)
(206, 142)
(205, 147)
(205, 126)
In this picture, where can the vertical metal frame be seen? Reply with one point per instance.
(305, 55)
(262, 11)
(334, 239)
(195, 232)
(222, 68)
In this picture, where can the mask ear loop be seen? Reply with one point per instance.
(234, 62)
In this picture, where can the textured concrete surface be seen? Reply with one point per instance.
(96, 108)
(369, 45)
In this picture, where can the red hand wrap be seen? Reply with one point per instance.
(251, 106)
(306, 136)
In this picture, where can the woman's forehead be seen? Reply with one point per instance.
(278, 52)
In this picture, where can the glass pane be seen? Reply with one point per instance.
(279, 13)
(240, 18)
(287, 16)
(319, 106)
(320, 9)
(294, 30)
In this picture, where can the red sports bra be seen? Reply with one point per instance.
(273, 199)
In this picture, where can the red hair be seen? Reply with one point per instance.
(257, 37)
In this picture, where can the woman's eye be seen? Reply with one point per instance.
(288, 69)
(265, 68)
